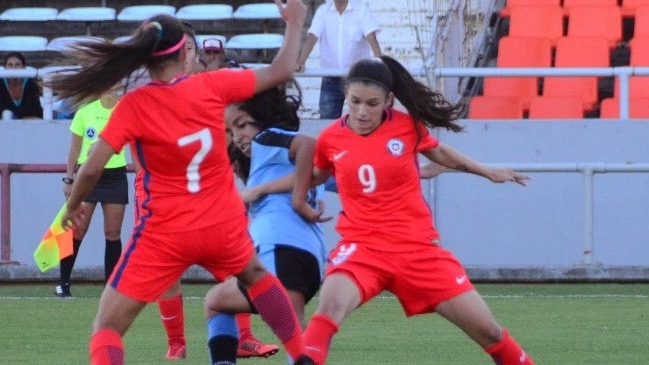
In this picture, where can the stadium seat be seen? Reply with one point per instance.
(639, 51)
(205, 12)
(641, 22)
(257, 11)
(638, 108)
(578, 52)
(536, 21)
(519, 52)
(494, 107)
(87, 14)
(143, 12)
(569, 4)
(255, 41)
(60, 44)
(629, 7)
(505, 11)
(23, 43)
(29, 14)
(546, 107)
(596, 21)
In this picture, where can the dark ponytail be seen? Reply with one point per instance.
(104, 64)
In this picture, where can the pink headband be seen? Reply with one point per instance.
(171, 49)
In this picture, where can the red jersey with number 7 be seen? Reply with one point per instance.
(377, 176)
(178, 133)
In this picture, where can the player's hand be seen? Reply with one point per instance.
(73, 218)
(252, 194)
(501, 175)
(292, 10)
(310, 214)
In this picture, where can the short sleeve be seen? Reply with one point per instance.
(317, 24)
(427, 141)
(120, 127)
(231, 85)
(77, 126)
(369, 22)
(320, 158)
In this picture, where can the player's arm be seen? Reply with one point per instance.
(283, 184)
(307, 176)
(87, 177)
(374, 44)
(431, 170)
(71, 166)
(283, 65)
(450, 157)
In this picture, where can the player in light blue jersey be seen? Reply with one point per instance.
(263, 147)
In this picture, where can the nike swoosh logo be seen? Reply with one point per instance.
(339, 155)
(460, 279)
(167, 318)
(523, 357)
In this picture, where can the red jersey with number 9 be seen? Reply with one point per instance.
(178, 133)
(377, 176)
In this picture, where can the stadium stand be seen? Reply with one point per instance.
(536, 21)
(578, 52)
(546, 107)
(569, 4)
(629, 7)
(638, 108)
(257, 11)
(641, 22)
(596, 21)
(22, 43)
(205, 12)
(29, 14)
(506, 10)
(87, 15)
(495, 107)
(143, 12)
(519, 52)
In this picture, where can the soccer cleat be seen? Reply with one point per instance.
(63, 291)
(252, 347)
(176, 352)
(304, 360)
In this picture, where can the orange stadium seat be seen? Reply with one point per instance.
(536, 21)
(639, 47)
(629, 7)
(638, 108)
(546, 107)
(519, 52)
(578, 52)
(569, 4)
(505, 11)
(596, 21)
(641, 22)
(495, 107)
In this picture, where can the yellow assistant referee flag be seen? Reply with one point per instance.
(55, 245)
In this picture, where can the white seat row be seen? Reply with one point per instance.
(38, 43)
(142, 12)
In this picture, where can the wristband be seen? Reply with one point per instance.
(68, 180)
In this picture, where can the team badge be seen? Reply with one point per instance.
(91, 133)
(395, 146)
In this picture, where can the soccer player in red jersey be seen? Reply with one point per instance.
(192, 213)
(388, 241)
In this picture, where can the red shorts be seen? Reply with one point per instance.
(421, 279)
(153, 261)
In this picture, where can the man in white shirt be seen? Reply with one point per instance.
(347, 33)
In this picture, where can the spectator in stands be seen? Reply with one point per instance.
(111, 190)
(214, 55)
(347, 31)
(20, 95)
(192, 213)
(388, 240)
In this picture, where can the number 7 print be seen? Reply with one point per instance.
(193, 175)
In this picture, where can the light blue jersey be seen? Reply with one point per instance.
(273, 219)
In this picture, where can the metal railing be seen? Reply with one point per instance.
(622, 73)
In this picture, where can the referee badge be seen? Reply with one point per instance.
(91, 133)
(395, 147)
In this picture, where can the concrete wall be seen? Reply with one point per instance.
(499, 232)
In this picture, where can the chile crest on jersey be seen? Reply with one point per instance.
(395, 147)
